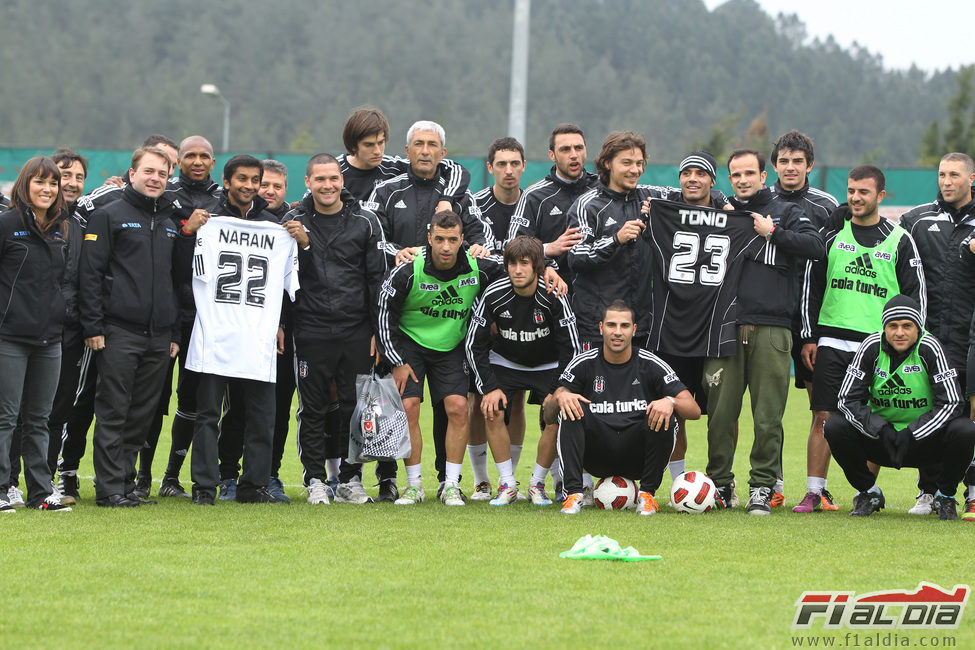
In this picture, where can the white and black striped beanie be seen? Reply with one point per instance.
(902, 307)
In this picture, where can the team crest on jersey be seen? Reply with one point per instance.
(302, 369)
(599, 384)
(539, 316)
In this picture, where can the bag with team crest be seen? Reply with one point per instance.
(379, 429)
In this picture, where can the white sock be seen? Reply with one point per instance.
(780, 486)
(586, 479)
(515, 457)
(453, 474)
(538, 475)
(676, 468)
(478, 456)
(413, 475)
(815, 484)
(875, 488)
(971, 491)
(506, 475)
(332, 467)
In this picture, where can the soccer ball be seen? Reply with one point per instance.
(692, 492)
(615, 493)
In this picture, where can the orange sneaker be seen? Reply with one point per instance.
(777, 500)
(826, 501)
(645, 504)
(572, 505)
(969, 514)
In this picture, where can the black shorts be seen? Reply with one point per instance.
(446, 372)
(511, 380)
(690, 371)
(828, 376)
(803, 376)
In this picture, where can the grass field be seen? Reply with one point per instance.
(381, 576)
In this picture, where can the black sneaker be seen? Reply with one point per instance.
(69, 488)
(388, 490)
(867, 503)
(257, 495)
(723, 496)
(202, 498)
(759, 501)
(142, 502)
(171, 488)
(53, 504)
(143, 485)
(946, 507)
(117, 501)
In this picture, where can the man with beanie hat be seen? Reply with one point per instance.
(696, 177)
(901, 406)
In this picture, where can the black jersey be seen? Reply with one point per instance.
(361, 182)
(495, 214)
(536, 332)
(619, 394)
(697, 259)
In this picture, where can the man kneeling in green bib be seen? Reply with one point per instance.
(901, 406)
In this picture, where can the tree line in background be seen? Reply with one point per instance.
(81, 73)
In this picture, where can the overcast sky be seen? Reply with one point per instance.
(935, 34)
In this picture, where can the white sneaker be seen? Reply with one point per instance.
(451, 496)
(506, 496)
(15, 497)
(411, 496)
(733, 502)
(317, 492)
(538, 496)
(5, 508)
(923, 505)
(351, 492)
(482, 492)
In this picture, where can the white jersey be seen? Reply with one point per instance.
(240, 271)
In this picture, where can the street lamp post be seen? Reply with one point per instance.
(212, 91)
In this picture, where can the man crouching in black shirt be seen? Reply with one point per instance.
(616, 411)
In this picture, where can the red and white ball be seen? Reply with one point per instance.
(615, 493)
(692, 492)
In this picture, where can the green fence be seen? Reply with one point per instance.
(905, 187)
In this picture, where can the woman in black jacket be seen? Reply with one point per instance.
(33, 249)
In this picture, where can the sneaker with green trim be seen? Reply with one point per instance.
(411, 496)
(452, 496)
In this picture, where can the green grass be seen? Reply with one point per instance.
(382, 576)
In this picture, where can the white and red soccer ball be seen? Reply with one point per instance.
(615, 493)
(692, 492)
